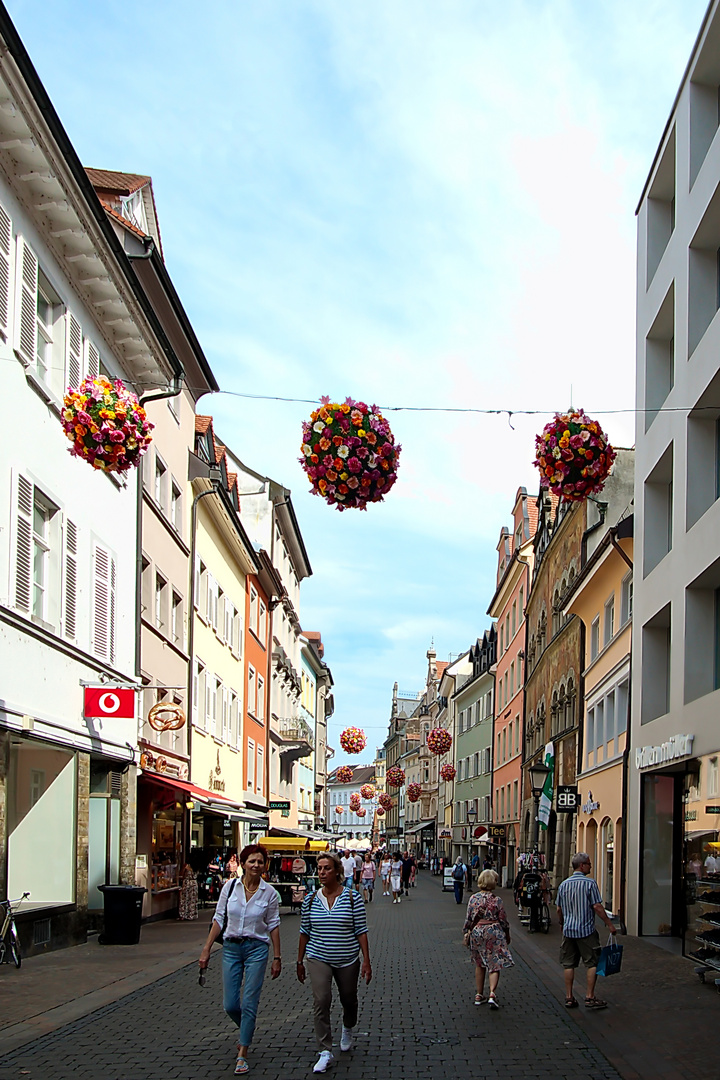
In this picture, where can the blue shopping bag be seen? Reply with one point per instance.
(610, 960)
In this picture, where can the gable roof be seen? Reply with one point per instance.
(116, 183)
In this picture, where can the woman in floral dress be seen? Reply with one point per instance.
(487, 933)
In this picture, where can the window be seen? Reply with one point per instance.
(609, 621)
(517, 734)
(661, 209)
(176, 619)
(499, 744)
(504, 744)
(594, 639)
(590, 738)
(500, 648)
(160, 481)
(510, 734)
(521, 609)
(260, 774)
(253, 610)
(160, 594)
(198, 709)
(262, 619)
(260, 710)
(712, 777)
(626, 599)
(512, 679)
(515, 799)
(214, 691)
(250, 778)
(103, 608)
(514, 618)
(229, 619)
(49, 324)
(225, 715)
(655, 673)
(487, 765)
(252, 691)
(176, 507)
(658, 494)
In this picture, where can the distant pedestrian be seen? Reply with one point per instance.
(367, 878)
(333, 933)
(188, 906)
(385, 873)
(248, 912)
(396, 867)
(459, 879)
(358, 870)
(348, 863)
(406, 873)
(578, 902)
(487, 933)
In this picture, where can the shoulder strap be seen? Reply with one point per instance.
(225, 916)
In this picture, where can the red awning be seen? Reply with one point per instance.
(191, 789)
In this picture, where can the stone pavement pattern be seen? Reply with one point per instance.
(417, 1018)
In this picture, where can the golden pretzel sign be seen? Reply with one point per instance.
(165, 716)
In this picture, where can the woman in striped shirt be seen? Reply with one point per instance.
(333, 933)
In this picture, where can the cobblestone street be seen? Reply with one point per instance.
(417, 1018)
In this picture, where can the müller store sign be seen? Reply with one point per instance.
(677, 746)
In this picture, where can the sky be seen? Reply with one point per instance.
(416, 203)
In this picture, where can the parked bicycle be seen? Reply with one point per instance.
(9, 940)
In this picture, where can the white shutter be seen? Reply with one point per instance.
(221, 603)
(71, 573)
(259, 777)
(225, 716)
(103, 604)
(73, 351)
(23, 543)
(196, 691)
(237, 636)
(26, 303)
(208, 701)
(196, 598)
(5, 245)
(214, 713)
(92, 359)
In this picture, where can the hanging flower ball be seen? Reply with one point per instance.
(395, 776)
(573, 455)
(353, 740)
(448, 772)
(380, 812)
(439, 740)
(355, 801)
(385, 801)
(414, 791)
(349, 454)
(361, 812)
(344, 774)
(338, 810)
(368, 791)
(106, 424)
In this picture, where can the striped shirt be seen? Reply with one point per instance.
(333, 932)
(575, 898)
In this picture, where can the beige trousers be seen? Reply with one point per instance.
(321, 977)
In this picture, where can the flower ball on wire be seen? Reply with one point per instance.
(355, 801)
(395, 776)
(349, 453)
(439, 740)
(106, 424)
(573, 455)
(414, 791)
(385, 801)
(338, 809)
(368, 791)
(361, 811)
(380, 812)
(344, 774)
(353, 740)
(448, 772)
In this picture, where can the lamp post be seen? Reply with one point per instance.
(471, 814)
(539, 773)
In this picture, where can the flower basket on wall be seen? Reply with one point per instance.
(349, 454)
(414, 791)
(353, 740)
(344, 774)
(439, 740)
(395, 776)
(574, 456)
(106, 424)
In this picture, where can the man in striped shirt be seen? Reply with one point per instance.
(578, 902)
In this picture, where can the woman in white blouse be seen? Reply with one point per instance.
(248, 916)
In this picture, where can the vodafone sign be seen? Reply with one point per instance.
(100, 701)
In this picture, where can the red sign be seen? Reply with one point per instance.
(100, 701)
(480, 831)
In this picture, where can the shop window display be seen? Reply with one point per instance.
(166, 848)
(702, 862)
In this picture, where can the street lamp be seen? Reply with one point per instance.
(539, 773)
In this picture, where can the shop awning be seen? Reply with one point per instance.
(418, 826)
(215, 802)
(287, 843)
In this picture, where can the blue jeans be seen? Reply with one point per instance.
(458, 886)
(245, 958)
(349, 881)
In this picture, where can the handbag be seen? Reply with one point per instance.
(610, 960)
(221, 935)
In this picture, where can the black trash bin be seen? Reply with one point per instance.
(123, 914)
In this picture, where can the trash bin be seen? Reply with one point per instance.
(123, 914)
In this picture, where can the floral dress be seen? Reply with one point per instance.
(488, 940)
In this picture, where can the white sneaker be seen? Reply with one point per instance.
(346, 1039)
(324, 1062)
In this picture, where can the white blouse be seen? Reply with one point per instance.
(253, 918)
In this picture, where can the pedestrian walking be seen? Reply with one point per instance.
(413, 871)
(406, 873)
(358, 870)
(578, 902)
(348, 863)
(459, 879)
(188, 904)
(248, 916)
(333, 933)
(367, 878)
(385, 873)
(396, 877)
(487, 933)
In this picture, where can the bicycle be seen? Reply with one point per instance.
(9, 935)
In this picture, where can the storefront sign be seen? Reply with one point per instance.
(568, 798)
(479, 831)
(677, 746)
(444, 834)
(591, 805)
(279, 804)
(712, 809)
(118, 702)
(496, 832)
(258, 826)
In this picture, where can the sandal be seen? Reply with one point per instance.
(480, 999)
(492, 1002)
(241, 1066)
(595, 1003)
(571, 1003)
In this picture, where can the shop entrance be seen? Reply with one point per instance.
(661, 885)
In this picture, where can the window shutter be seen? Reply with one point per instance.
(104, 604)
(73, 351)
(71, 570)
(214, 713)
(225, 716)
(208, 701)
(220, 602)
(92, 359)
(23, 544)
(237, 636)
(5, 244)
(26, 299)
(196, 691)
